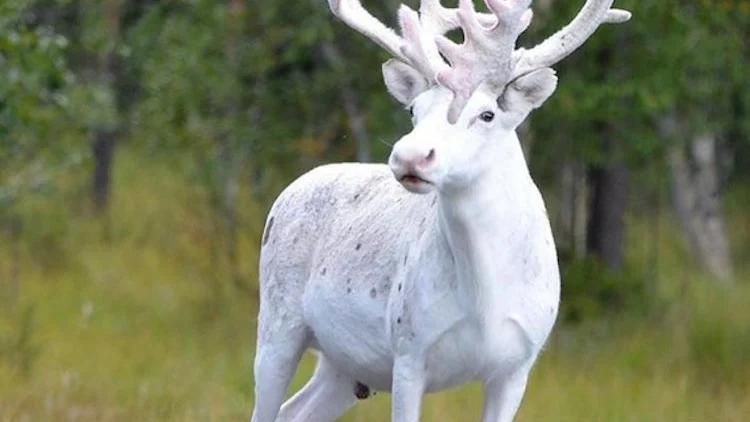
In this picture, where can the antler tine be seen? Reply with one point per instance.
(353, 14)
(555, 48)
(445, 19)
(487, 52)
(441, 18)
(417, 46)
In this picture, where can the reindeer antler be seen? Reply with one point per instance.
(415, 48)
(488, 54)
(593, 14)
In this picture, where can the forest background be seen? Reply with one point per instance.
(143, 141)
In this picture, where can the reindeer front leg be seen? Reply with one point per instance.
(503, 395)
(408, 388)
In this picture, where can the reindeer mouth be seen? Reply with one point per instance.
(413, 179)
(415, 184)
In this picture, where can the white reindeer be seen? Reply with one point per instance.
(408, 293)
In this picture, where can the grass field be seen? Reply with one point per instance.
(143, 324)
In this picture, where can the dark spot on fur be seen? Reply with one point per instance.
(268, 230)
(359, 245)
(348, 289)
(386, 286)
(398, 320)
(373, 293)
(356, 197)
(361, 391)
(405, 258)
(434, 201)
(295, 240)
(399, 287)
(551, 310)
(348, 280)
(323, 271)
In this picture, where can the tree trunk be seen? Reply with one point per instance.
(258, 175)
(225, 202)
(105, 138)
(572, 215)
(355, 117)
(229, 162)
(103, 149)
(357, 125)
(606, 227)
(695, 191)
(605, 234)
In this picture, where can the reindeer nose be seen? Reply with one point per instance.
(413, 156)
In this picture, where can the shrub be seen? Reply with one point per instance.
(590, 290)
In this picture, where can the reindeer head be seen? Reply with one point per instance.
(467, 100)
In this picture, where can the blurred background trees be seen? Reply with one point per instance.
(644, 149)
(650, 118)
(646, 108)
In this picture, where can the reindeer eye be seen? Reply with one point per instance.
(487, 116)
(411, 111)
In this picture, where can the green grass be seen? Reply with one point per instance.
(144, 325)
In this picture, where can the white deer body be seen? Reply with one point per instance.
(428, 273)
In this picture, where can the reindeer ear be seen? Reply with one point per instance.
(403, 81)
(525, 94)
(529, 91)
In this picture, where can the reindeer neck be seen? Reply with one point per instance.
(484, 227)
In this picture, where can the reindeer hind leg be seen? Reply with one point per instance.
(327, 396)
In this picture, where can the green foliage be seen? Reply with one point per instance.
(38, 133)
(187, 76)
(674, 58)
(207, 81)
(591, 291)
(254, 82)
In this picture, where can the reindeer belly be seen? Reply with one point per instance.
(451, 361)
(348, 325)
